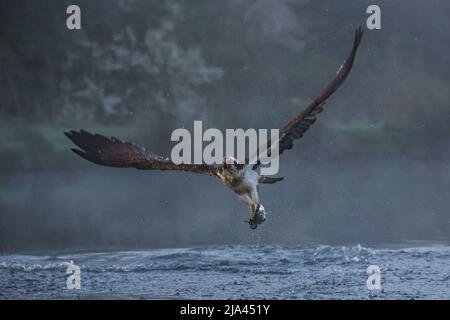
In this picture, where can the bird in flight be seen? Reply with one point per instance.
(243, 179)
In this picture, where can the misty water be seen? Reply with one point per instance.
(151, 235)
(95, 208)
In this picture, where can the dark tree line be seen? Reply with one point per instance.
(125, 60)
(177, 61)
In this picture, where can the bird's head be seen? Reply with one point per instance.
(231, 164)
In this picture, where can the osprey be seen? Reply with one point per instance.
(243, 179)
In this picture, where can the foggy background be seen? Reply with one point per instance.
(373, 169)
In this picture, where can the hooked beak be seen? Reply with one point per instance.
(238, 166)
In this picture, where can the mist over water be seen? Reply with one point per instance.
(326, 203)
(374, 169)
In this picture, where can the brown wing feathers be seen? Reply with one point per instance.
(301, 123)
(116, 153)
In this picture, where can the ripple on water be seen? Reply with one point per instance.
(250, 271)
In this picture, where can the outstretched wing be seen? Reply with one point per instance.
(301, 123)
(113, 152)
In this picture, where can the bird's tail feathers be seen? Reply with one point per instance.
(269, 180)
